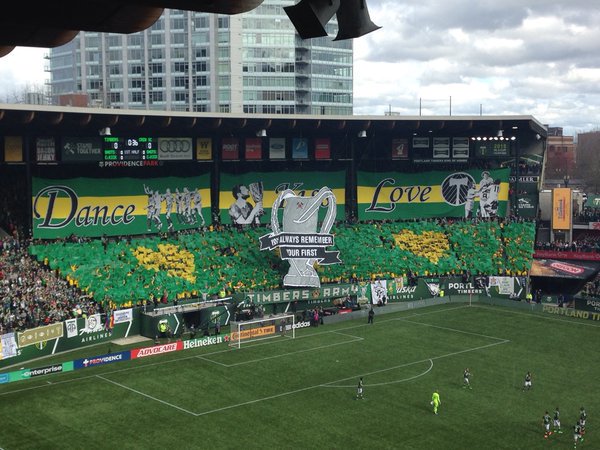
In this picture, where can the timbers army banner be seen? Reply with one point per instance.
(397, 195)
(118, 206)
(248, 198)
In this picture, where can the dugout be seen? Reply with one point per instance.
(203, 316)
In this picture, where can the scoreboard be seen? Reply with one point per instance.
(492, 148)
(130, 148)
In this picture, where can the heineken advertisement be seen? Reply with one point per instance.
(118, 206)
(248, 198)
(397, 195)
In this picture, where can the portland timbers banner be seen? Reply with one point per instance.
(247, 199)
(118, 206)
(397, 195)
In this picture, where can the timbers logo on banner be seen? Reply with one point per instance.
(119, 206)
(247, 199)
(397, 195)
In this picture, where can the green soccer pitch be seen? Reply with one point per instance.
(301, 393)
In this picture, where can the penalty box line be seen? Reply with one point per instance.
(266, 358)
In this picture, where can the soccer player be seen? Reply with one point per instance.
(582, 419)
(359, 389)
(527, 384)
(466, 376)
(546, 423)
(435, 401)
(556, 421)
(576, 434)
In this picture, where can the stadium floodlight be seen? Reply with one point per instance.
(282, 325)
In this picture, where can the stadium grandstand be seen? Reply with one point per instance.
(106, 210)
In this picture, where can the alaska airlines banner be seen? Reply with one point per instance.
(247, 199)
(395, 195)
(118, 206)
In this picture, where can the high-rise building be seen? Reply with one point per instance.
(247, 63)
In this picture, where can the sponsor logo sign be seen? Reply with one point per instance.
(322, 148)
(300, 148)
(92, 324)
(175, 148)
(156, 350)
(204, 342)
(253, 148)
(297, 325)
(203, 149)
(45, 149)
(399, 148)
(253, 332)
(230, 149)
(40, 334)
(101, 360)
(40, 371)
(75, 149)
(524, 179)
(277, 148)
(561, 209)
(4, 378)
(71, 326)
(122, 315)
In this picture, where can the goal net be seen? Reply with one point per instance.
(282, 325)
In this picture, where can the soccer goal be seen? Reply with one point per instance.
(282, 325)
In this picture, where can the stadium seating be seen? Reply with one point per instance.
(128, 271)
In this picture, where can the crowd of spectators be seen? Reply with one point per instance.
(588, 214)
(583, 244)
(592, 288)
(32, 295)
(228, 259)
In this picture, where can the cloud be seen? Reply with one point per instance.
(22, 67)
(538, 57)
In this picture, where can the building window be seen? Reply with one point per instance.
(137, 97)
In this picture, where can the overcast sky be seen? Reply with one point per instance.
(538, 57)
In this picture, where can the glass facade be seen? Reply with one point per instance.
(186, 61)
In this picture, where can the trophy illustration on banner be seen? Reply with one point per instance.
(298, 239)
(257, 192)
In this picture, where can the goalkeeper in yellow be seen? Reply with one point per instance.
(435, 401)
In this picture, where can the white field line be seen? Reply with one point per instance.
(266, 358)
(146, 395)
(454, 330)
(329, 385)
(211, 361)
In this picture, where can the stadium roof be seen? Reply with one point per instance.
(50, 24)
(37, 119)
